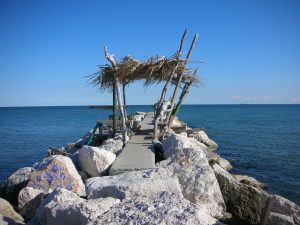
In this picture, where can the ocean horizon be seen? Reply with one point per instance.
(260, 140)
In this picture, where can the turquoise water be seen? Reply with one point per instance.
(261, 140)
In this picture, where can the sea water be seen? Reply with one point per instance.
(262, 141)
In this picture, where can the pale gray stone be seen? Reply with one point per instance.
(113, 145)
(161, 208)
(132, 184)
(284, 206)
(248, 180)
(29, 200)
(95, 161)
(187, 161)
(279, 219)
(224, 163)
(7, 211)
(63, 207)
(15, 182)
(57, 171)
(202, 137)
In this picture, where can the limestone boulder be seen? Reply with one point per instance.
(215, 158)
(132, 184)
(280, 219)
(161, 208)
(249, 181)
(16, 181)
(187, 161)
(29, 200)
(95, 161)
(202, 137)
(243, 201)
(57, 171)
(63, 207)
(8, 213)
(224, 163)
(113, 145)
(283, 209)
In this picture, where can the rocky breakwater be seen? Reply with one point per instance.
(190, 185)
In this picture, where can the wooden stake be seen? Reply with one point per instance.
(180, 79)
(114, 64)
(164, 91)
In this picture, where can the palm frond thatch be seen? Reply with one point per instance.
(154, 70)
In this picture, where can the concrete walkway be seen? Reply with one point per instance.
(138, 154)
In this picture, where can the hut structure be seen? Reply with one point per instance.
(172, 71)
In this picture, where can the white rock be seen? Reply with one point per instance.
(63, 207)
(113, 145)
(57, 171)
(188, 162)
(130, 184)
(202, 137)
(248, 180)
(163, 208)
(279, 219)
(29, 200)
(286, 207)
(95, 161)
(16, 181)
(224, 163)
(7, 211)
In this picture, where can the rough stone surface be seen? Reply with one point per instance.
(202, 137)
(163, 208)
(7, 211)
(113, 145)
(29, 200)
(57, 171)
(188, 162)
(284, 206)
(63, 207)
(248, 180)
(95, 161)
(131, 184)
(6, 220)
(279, 219)
(224, 163)
(243, 201)
(16, 181)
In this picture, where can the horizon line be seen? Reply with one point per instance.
(32, 106)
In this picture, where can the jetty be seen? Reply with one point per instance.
(138, 154)
(142, 168)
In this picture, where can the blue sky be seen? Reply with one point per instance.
(251, 49)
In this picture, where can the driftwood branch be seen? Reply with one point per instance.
(165, 88)
(179, 81)
(114, 64)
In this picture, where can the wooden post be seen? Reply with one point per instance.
(124, 101)
(164, 91)
(180, 78)
(113, 62)
(114, 111)
(176, 110)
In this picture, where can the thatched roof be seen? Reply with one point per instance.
(154, 70)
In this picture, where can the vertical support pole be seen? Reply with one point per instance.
(114, 111)
(124, 101)
(114, 64)
(180, 79)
